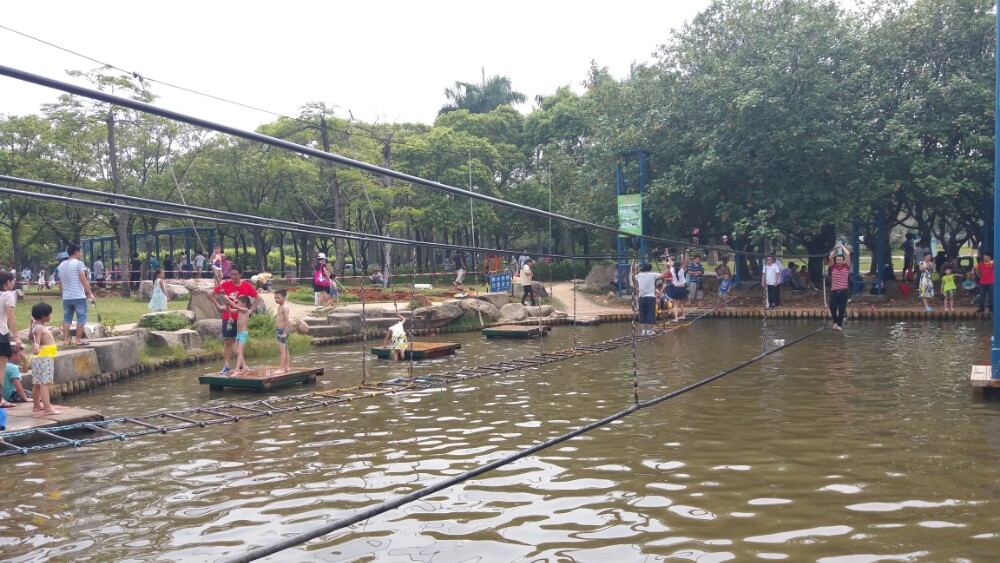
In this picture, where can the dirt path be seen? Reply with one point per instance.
(563, 291)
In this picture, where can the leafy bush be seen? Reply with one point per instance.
(262, 325)
(164, 322)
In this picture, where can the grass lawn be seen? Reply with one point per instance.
(120, 309)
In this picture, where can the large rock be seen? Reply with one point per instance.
(539, 289)
(436, 317)
(116, 354)
(298, 326)
(189, 316)
(184, 338)
(487, 310)
(209, 328)
(351, 322)
(496, 299)
(422, 300)
(73, 364)
(192, 285)
(513, 312)
(540, 311)
(145, 290)
(601, 277)
(176, 291)
(202, 304)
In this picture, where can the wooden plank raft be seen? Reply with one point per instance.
(261, 378)
(982, 377)
(422, 350)
(515, 331)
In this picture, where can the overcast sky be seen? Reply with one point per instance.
(388, 60)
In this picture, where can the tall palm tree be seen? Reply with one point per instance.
(482, 98)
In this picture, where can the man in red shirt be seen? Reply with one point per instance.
(984, 271)
(234, 288)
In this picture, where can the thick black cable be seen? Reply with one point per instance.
(242, 217)
(281, 143)
(288, 145)
(383, 507)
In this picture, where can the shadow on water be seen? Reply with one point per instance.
(862, 446)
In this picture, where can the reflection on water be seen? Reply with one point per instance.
(861, 446)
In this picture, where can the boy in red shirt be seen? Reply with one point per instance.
(233, 289)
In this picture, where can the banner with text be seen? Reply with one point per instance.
(630, 213)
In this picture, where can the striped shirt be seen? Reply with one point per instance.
(840, 274)
(69, 277)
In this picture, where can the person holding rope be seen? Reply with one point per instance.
(770, 280)
(645, 280)
(840, 276)
(233, 289)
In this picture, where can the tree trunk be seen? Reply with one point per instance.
(124, 223)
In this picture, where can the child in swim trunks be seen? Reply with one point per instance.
(44, 361)
(242, 332)
(281, 329)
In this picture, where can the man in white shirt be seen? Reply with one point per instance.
(527, 278)
(645, 280)
(75, 292)
(770, 280)
(99, 271)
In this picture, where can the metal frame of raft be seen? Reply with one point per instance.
(201, 417)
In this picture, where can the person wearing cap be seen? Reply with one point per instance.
(75, 293)
(645, 280)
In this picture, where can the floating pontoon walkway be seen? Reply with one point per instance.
(421, 350)
(262, 378)
(163, 422)
(515, 331)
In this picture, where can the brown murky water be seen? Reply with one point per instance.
(863, 446)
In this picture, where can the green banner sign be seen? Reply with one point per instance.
(630, 213)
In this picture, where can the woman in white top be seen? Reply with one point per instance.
(678, 286)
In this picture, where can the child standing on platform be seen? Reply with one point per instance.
(242, 329)
(43, 364)
(948, 287)
(725, 284)
(281, 324)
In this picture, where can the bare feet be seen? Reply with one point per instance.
(50, 412)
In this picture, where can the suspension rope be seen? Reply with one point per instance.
(364, 336)
(634, 288)
(573, 281)
(225, 217)
(413, 305)
(384, 507)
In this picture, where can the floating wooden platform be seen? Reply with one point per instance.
(422, 350)
(515, 331)
(20, 417)
(981, 377)
(262, 379)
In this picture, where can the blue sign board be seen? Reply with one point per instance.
(500, 282)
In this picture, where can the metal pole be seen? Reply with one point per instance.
(550, 210)
(994, 348)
